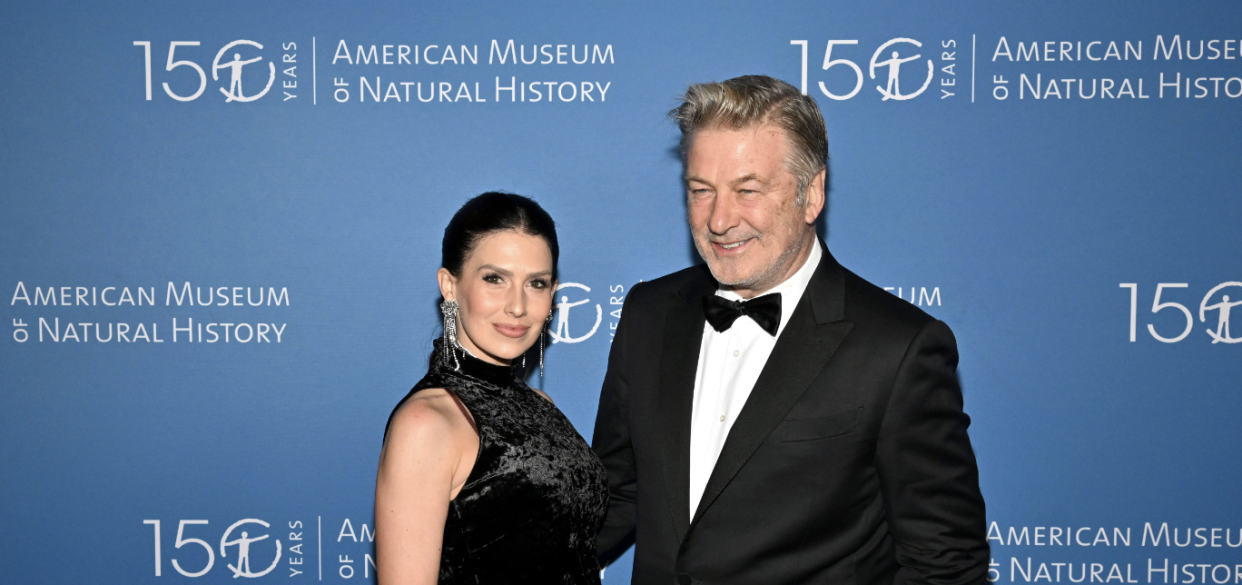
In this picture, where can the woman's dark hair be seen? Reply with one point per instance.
(494, 212)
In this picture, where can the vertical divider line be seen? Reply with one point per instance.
(315, 102)
(972, 69)
(320, 540)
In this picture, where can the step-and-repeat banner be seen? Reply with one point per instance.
(221, 224)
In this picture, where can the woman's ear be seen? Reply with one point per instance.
(448, 284)
(555, 283)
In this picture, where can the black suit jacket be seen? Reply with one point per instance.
(849, 463)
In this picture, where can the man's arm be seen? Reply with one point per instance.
(928, 475)
(611, 442)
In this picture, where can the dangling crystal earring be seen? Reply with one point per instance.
(542, 332)
(449, 310)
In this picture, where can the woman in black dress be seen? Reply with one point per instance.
(481, 479)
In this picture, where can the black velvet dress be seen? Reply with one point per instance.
(536, 496)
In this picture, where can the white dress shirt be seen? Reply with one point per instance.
(729, 365)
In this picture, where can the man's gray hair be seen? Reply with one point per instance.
(751, 100)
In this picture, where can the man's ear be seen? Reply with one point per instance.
(815, 196)
(448, 284)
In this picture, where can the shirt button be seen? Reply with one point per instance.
(722, 418)
(736, 353)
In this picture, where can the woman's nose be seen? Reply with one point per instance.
(516, 305)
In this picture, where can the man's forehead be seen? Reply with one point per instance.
(735, 180)
(751, 131)
(755, 152)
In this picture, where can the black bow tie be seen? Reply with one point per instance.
(765, 311)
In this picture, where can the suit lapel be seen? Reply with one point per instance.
(683, 337)
(813, 333)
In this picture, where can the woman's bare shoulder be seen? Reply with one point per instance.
(431, 415)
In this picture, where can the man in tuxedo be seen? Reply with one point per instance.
(772, 418)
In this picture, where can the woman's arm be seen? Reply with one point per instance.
(427, 456)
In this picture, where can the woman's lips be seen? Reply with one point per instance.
(514, 331)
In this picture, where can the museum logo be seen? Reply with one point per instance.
(238, 68)
(1216, 310)
(560, 330)
(889, 62)
(242, 538)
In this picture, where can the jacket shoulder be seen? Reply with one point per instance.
(866, 302)
(654, 292)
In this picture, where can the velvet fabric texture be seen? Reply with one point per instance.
(536, 496)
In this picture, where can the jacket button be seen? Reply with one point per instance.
(684, 579)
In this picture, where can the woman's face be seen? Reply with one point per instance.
(504, 295)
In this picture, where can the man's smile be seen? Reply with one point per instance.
(731, 248)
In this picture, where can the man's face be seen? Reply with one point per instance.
(742, 205)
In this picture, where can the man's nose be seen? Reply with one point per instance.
(724, 215)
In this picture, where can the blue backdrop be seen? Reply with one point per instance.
(221, 224)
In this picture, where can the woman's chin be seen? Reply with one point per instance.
(506, 350)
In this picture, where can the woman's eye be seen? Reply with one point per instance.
(493, 278)
(539, 284)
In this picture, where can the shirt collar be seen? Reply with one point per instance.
(790, 289)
